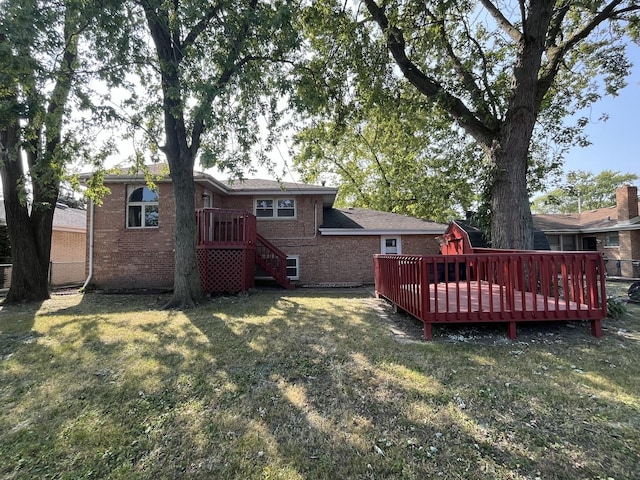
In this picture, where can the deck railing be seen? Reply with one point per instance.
(225, 228)
(272, 260)
(495, 286)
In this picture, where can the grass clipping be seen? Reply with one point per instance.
(306, 385)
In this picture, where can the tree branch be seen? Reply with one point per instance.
(555, 54)
(425, 84)
(199, 27)
(233, 64)
(500, 19)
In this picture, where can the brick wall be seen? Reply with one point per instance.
(133, 257)
(144, 257)
(303, 226)
(627, 202)
(67, 246)
(347, 259)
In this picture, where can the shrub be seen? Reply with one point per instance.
(616, 308)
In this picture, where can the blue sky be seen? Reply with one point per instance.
(615, 144)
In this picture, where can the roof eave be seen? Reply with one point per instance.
(602, 229)
(364, 231)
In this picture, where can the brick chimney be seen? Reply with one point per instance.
(627, 202)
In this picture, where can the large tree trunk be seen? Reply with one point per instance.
(187, 289)
(511, 220)
(29, 234)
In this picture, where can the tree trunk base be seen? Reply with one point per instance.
(15, 297)
(180, 302)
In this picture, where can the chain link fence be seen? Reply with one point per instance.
(622, 268)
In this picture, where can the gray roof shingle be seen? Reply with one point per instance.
(372, 220)
(63, 218)
(600, 219)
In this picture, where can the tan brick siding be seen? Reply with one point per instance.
(68, 246)
(68, 253)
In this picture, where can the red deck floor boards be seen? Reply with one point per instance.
(499, 299)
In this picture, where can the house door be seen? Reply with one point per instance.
(589, 243)
(390, 245)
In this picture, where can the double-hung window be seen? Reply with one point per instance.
(612, 239)
(275, 208)
(293, 267)
(142, 208)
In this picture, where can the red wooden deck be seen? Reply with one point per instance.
(495, 287)
(229, 247)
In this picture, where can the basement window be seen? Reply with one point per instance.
(293, 267)
(142, 208)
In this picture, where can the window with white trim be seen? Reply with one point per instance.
(275, 208)
(562, 243)
(142, 208)
(390, 245)
(293, 267)
(612, 239)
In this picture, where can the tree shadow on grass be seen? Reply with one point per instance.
(306, 384)
(16, 326)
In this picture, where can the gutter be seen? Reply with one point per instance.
(90, 274)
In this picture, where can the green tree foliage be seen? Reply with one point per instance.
(507, 74)
(213, 68)
(379, 160)
(49, 51)
(583, 191)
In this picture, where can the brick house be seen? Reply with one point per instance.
(131, 233)
(68, 245)
(614, 231)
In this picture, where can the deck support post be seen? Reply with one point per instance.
(596, 328)
(427, 331)
(511, 330)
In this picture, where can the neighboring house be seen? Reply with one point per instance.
(614, 231)
(68, 245)
(133, 232)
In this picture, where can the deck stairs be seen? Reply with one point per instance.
(273, 261)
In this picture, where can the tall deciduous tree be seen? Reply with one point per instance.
(215, 62)
(498, 69)
(583, 191)
(48, 49)
(39, 49)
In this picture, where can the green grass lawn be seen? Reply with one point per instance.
(308, 385)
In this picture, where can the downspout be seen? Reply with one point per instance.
(315, 227)
(90, 274)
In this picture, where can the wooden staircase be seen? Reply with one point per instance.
(229, 248)
(273, 261)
